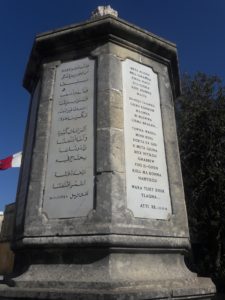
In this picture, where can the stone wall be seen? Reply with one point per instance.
(6, 225)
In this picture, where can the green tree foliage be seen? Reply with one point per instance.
(200, 113)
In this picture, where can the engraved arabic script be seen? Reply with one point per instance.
(70, 177)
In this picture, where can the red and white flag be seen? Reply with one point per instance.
(13, 161)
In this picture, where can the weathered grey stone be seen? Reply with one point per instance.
(110, 150)
(102, 11)
(110, 185)
(109, 253)
(111, 103)
(109, 75)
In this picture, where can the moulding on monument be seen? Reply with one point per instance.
(98, 32)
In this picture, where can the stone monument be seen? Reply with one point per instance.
(100, 211)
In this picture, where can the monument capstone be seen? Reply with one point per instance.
(100, 209)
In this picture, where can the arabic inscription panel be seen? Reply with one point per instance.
(70, 169)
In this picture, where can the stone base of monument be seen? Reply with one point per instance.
(105, 274)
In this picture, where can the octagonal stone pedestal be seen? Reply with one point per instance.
(100, 210)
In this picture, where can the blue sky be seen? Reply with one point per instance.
(196, 26)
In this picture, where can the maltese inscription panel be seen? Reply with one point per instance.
(147, 184)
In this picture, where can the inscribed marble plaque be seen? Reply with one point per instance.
(70, 168)
(147, 184)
